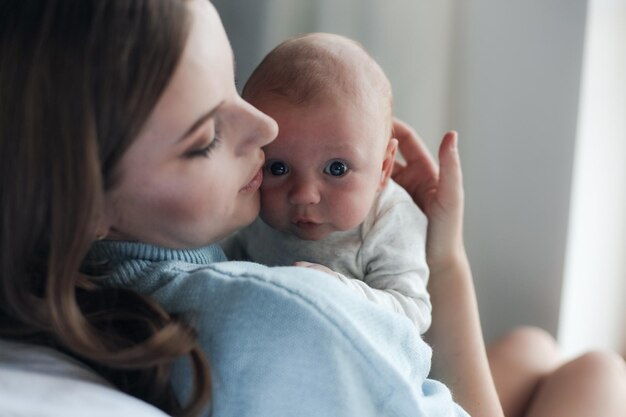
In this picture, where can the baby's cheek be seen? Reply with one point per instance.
(273, 211)
(353, 212)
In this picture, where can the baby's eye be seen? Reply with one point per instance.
(277, 168)
(336, 168)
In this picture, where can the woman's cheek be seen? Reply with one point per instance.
(179, 201)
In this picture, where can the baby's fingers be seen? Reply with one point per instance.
(318, 267)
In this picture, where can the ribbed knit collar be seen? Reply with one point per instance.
(118, 251)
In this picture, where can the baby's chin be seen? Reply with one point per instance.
(309, 235)
(312, 232)
(302, 231)
(308, 230)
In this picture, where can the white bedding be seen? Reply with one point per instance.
(37, 381)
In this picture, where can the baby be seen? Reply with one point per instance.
(327, 198)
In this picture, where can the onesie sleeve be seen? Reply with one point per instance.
(393, 257)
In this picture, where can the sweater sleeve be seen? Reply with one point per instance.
(293, 342)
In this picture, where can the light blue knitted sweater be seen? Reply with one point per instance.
(284, 341)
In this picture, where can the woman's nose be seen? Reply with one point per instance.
(264, 128)
(304, 193)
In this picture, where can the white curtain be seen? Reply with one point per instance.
(593, 311)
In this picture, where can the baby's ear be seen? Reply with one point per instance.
(390, 157)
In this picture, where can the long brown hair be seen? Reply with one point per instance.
(78, 79)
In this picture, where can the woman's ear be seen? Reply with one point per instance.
(390, 157)
(103, 222)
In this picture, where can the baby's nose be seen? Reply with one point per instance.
(304, 193)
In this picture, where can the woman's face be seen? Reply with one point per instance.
(192, 175)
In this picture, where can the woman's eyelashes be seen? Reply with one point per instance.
(206, 150)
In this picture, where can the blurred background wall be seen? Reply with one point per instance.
(537, 91)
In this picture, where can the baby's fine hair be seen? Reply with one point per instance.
(316, 67)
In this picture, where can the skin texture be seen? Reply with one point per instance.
(197, 186)
(307, 200)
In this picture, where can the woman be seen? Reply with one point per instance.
(120, 121)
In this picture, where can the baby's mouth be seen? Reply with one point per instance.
(305, 223)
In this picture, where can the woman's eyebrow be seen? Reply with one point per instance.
(195, 125)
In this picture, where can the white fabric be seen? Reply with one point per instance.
(41, 382)
(383, 259)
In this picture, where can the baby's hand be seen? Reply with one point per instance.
(319, 267)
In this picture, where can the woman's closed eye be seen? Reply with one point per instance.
(336, 168)
(205, 151)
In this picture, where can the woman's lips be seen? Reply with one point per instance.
(254, 183)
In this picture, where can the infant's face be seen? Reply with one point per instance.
(324, 169)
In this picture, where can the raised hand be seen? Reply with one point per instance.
(437, 190)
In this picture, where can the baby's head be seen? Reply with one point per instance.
(334, 150)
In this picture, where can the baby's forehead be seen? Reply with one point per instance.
(334, 123)
(313, 148)
(325, 127)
